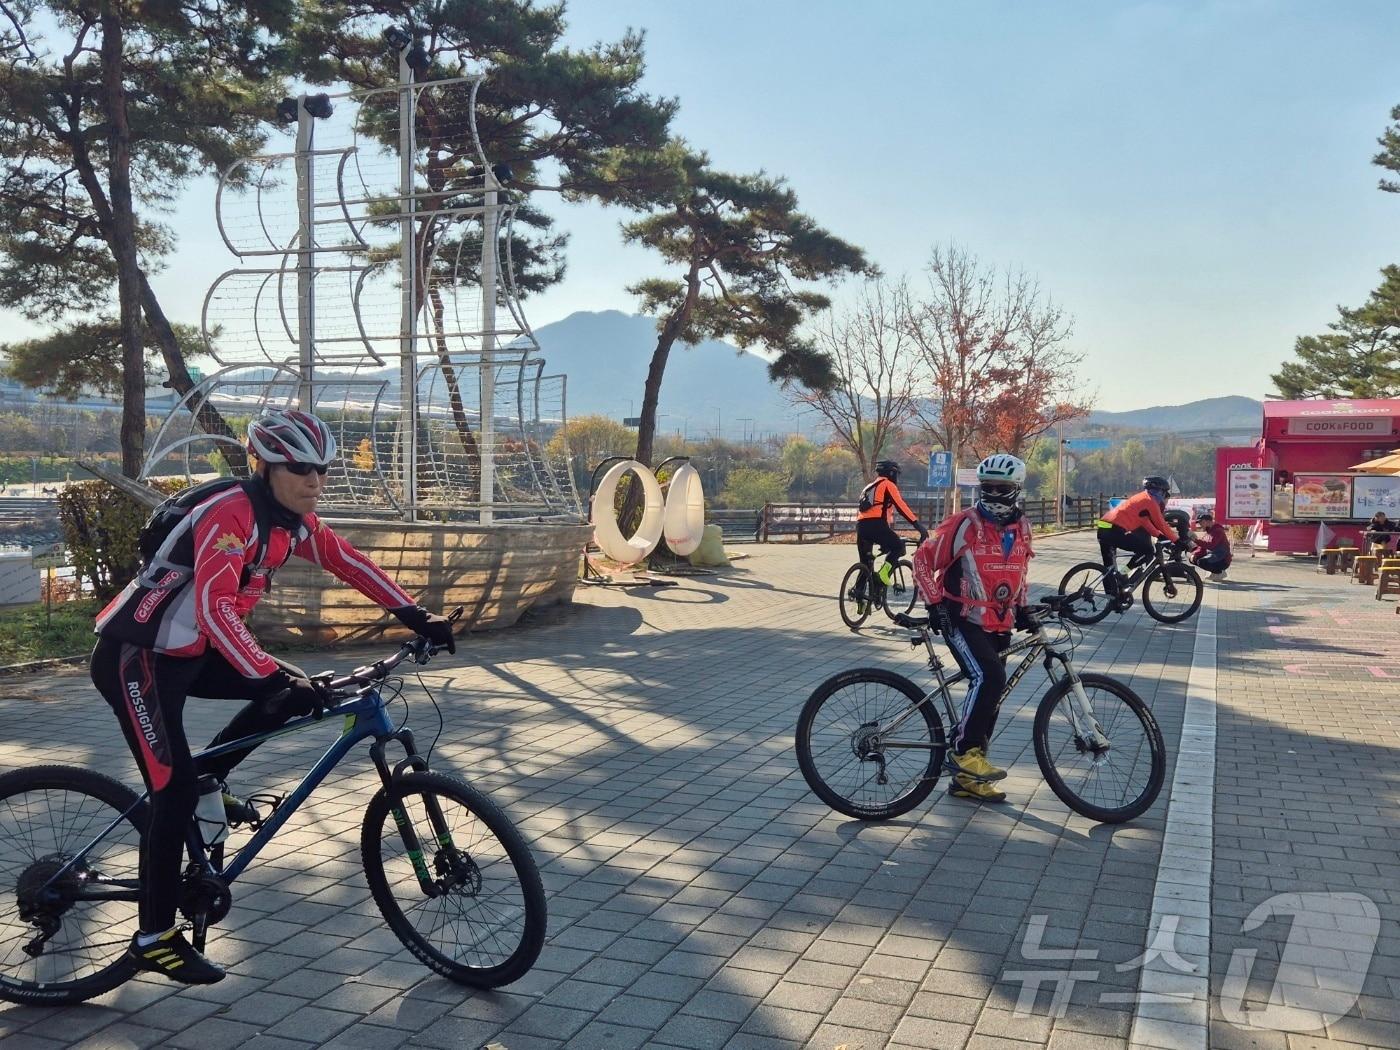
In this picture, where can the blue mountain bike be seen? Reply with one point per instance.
(451, 875)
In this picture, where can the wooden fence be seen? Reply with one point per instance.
(810, 522)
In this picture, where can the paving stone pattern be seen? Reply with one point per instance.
(700, 896)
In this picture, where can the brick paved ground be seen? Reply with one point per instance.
(701, 897)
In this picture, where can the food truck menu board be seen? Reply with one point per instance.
(1250, 493)
(1373, 492)
(1321, 496)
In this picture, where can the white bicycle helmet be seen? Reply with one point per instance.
(289, 436)
(1000, 478)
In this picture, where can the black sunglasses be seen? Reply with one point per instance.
(301, 470)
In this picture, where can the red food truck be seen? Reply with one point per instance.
(1298, 479)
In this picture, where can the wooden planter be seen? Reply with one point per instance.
(496, 572)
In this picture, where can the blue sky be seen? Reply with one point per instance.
(1190, 180)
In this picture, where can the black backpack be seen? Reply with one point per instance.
(166, 517)
(867, 496)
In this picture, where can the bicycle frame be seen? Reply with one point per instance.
(1035, 646)
(365, 716)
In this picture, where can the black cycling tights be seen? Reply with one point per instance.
(981, 656)
(147, 691)
(1138, 542)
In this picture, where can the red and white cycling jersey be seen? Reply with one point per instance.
(178, 612)
(985, 563)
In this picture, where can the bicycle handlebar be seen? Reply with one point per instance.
(362, 678)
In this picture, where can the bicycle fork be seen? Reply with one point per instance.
(431, 886)
(1081, 712)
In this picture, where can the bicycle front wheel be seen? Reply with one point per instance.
(1112, 767)
(855, 757)
(901, 592)
(49, 815)
(1172, 592)
(471, 905)
(1094, 603)
(855, 595)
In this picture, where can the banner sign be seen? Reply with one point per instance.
(967, 477)
(1341, 426)
(1373, 492)
(1321, 496)
(940, 470)
(1250, 493)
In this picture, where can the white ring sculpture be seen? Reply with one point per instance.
(603, 515)
(684, 521)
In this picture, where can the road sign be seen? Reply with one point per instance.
(940, 470)
(967, 477)
(49, 556)
(632, 421)
(1088, 444)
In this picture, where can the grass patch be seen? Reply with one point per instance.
(25, 636)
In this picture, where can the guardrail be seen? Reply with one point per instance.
(813, 522)
(25, 508)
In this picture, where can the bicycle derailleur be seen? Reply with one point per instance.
(865, 743)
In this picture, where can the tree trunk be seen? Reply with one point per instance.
(656, 371)
(121, 236)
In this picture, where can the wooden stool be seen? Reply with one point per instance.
(1388, 578)
(1349, 555)
(1330, 557)
(1363, 568)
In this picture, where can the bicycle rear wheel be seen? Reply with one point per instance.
(1172, 592)
(1108, 784)
(49, 814)
(848, 754)
(855, 595)
(480, 921)
(901, 592)
(1087, 579)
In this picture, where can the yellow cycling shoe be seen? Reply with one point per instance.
(973, 762)
(975, 790)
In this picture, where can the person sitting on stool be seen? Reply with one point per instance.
(1381, 532)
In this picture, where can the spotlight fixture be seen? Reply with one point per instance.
(319, 106)
(397, 38)
(418, 59)
(287, 111)
(503, 173)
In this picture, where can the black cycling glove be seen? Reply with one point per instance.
(437, 629)
(1025, 621)
(292, 694)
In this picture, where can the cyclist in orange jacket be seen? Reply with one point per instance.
(1134, 523)
(878, 502)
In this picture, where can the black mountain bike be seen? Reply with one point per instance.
(451, 875)
(863, 589)
(871, 743)
(1171, 587)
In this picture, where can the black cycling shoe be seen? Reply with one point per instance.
(170, 955)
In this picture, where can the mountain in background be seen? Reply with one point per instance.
(1213, 413)
(712, 385)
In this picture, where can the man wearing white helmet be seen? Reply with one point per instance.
(972, 574)
(178, 630)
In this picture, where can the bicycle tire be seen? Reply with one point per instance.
(901, 588)
(110, 918)
(1185, 575)
(854, 613)
(1157, 767)
(807, 761)
(1101, 604)
(516, 856)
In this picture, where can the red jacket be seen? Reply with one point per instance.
(979, 564)
(181, 613)
(1217, 542)
(1141, 512)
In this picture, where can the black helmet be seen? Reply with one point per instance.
(1157, 483)
(887, 468)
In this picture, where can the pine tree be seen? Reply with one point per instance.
(1358, 358)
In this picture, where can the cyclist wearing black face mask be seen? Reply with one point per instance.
(178, 630)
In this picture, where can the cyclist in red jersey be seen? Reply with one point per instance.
(972, 574)
(178, 630)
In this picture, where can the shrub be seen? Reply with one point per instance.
(100, 526)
